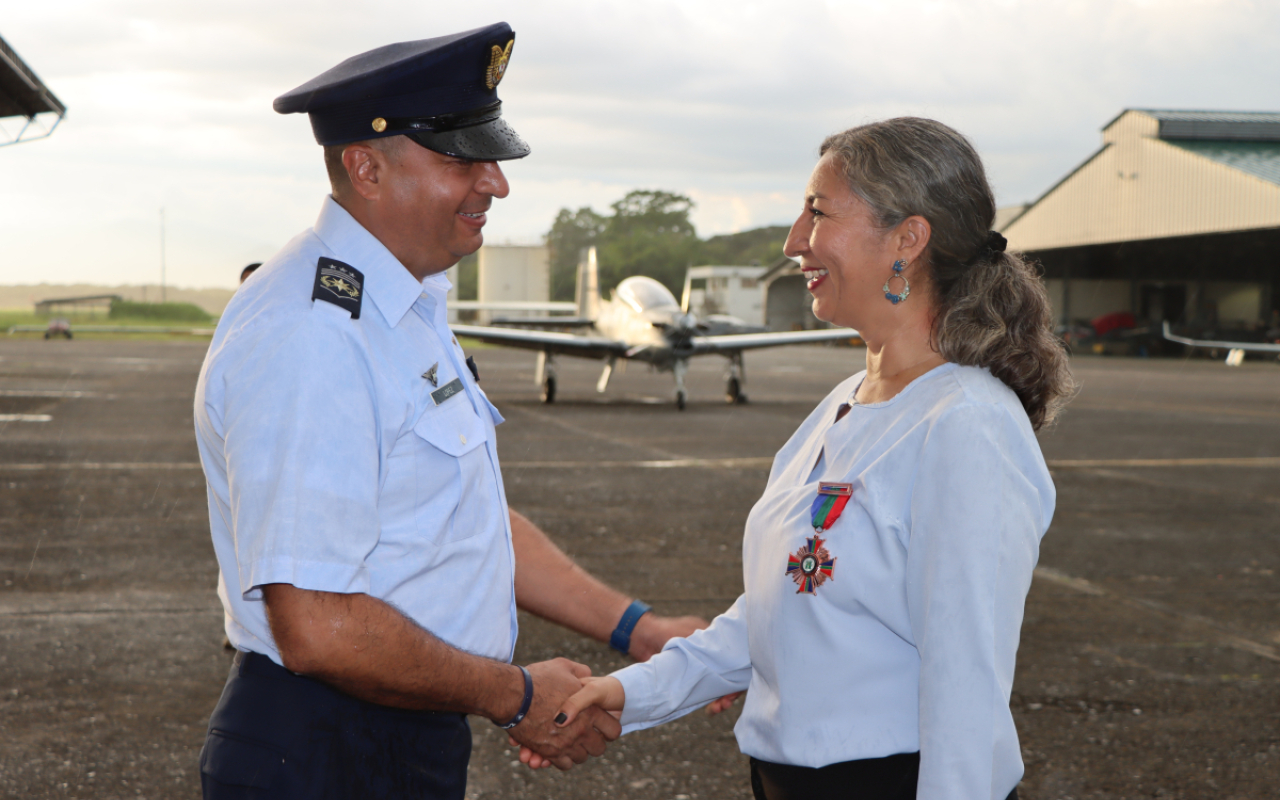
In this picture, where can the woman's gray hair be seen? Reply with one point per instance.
(992, 308)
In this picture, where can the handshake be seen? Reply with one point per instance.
(573, 715)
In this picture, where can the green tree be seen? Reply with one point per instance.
(761, 246)
(569, 234)
(650, 233)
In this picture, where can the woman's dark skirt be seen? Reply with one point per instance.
(889, 778)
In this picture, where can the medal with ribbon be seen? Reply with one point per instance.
(812, 565)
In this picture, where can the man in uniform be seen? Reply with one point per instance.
(370, 567)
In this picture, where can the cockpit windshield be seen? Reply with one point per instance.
(643, 293)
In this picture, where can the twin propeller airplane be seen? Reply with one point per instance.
(641, 322)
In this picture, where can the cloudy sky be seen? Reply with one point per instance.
(724, 100)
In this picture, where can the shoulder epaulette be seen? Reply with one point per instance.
(340, 284)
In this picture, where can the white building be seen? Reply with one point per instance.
(734, 291)
(512, 281)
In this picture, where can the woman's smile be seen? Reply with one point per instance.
(813, 276)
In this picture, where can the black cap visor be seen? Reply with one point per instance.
(493, 140)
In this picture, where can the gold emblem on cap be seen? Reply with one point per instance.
(379, 124)
(497, 64)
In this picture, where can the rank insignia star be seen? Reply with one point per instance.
(811, 565)
(339, 286)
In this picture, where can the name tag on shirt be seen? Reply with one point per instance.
(448, 390)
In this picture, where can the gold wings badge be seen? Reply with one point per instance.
(497, 64)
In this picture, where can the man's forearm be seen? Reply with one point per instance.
(368, 649)
(551, 586)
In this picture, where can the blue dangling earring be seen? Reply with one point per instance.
(898, 267)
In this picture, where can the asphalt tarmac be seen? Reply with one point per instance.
(1150, 658)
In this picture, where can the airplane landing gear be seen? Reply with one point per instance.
(736, 377)
(603, 383)
(679, 369)
(733, 392)
(544, 375)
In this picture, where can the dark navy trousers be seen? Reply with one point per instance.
(278, 735)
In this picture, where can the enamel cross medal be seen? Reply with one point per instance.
(812, 565)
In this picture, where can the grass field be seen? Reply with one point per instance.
(10, 317)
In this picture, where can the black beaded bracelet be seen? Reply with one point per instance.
(525, 703)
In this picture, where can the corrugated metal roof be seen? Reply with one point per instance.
(1250, 126)
(1260, 159)
(1212, 116)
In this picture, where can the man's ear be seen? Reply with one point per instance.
(366, 166)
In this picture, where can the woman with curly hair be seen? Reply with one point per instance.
(888, 561)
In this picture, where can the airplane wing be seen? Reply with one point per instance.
(547, 341)
(545, 322)
(512, 305)
(751, 341)
(1257, 347)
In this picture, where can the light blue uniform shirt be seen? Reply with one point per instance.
(330, 466)
(911, 645)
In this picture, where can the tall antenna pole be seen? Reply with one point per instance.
(162, 297)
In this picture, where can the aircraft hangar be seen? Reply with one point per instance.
(1176, 217)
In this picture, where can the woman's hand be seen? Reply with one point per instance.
(716, 706)
(605, 692)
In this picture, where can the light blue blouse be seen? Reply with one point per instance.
(329, 464)
(911, 644)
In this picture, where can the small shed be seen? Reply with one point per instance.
(92, 303)
(788, 306)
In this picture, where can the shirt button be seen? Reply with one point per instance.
(463, 437)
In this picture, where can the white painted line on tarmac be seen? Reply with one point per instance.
(671, 463)
(25, 418)
(748, 462)
(1093, 463)
(109, 612)
(1222, 633)
(102, 465)
(1172, 408)
(45, 393)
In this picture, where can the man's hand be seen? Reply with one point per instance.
(596, 694)
(652, 633)
(573, 742)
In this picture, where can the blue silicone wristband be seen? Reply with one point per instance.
(525, 703)
(620, 640)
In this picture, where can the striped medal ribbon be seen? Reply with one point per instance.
(812, 565)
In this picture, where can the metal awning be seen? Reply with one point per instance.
(28, 110)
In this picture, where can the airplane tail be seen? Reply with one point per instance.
(588, 292)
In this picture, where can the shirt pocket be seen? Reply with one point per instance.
(452, 465)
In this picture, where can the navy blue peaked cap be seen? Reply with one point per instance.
(440, 92)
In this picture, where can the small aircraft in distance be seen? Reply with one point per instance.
(641, 322)
(1235, 350)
